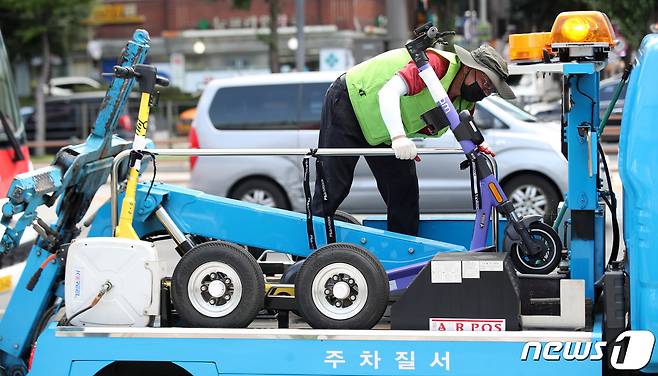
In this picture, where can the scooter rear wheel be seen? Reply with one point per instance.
(544, 262)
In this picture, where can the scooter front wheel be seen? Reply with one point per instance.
(542, 263)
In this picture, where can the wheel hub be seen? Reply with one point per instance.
(216, 289)
(529, 200)
(341, 290)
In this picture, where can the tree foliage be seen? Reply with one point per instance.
(632, 17)
(40, 28)
(533, 16)
(23, 22)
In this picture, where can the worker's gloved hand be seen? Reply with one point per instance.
(486, 149)
(404, 148)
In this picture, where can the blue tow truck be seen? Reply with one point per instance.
(463, 313)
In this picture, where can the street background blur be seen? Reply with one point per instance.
(59, 48)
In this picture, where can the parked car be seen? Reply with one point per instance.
(535, 87)
(70, 118)
(606, 90)
(545, 111)
(283, 111)
(70, 84)
(551, 111)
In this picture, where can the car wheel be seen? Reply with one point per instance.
(533, 195)
(261, 192)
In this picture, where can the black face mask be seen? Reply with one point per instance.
(472, 92)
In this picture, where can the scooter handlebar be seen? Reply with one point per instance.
(125, 72)
(162, 81)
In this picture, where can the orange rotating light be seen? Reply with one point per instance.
(582, 28)
(529, 47)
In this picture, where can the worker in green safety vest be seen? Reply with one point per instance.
(379, 103)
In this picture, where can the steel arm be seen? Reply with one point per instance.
(73, 179)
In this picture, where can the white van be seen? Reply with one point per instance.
(283, 111)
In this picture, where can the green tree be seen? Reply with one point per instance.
(272, 40)
(534, 16)
(632, 17)
(42, 28)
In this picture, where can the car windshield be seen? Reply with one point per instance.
(8, 100)
(512, 109)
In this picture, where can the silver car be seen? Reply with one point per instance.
(283, 111)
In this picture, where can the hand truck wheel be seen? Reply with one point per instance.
(542, 263)
(218, 285)
(342, 286)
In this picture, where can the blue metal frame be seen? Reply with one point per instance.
(450, 228)
(195, 212)
(582, 139)
(81, 351)
(637, 168)
(87, 167)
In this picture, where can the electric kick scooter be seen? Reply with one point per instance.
(535, 248)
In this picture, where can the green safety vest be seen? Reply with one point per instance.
(366, 79)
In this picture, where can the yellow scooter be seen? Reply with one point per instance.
(116, 280)
(147, 77)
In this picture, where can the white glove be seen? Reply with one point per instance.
(404, 148)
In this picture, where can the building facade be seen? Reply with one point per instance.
(194, 41)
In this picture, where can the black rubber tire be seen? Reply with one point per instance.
(342, 216)
(278, 195)
(290, 275)
(244, 264)
(552, 256)
(359, 258)
(553, 197)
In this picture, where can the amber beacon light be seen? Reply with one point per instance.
(589, 28)
(529, 48)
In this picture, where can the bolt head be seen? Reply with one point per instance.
(352, 298)
(204, 287)
(213, 275)
(364, 240)
(335, 278)
(227, 297)
(212, 301)
(227, 280)
(411, 251)
(327, 292)
(338, 304)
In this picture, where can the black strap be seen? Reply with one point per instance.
(309, 211)
(155, 172)
(475, 180)
(329, 227)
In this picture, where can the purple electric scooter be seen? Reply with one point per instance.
(535, 248)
